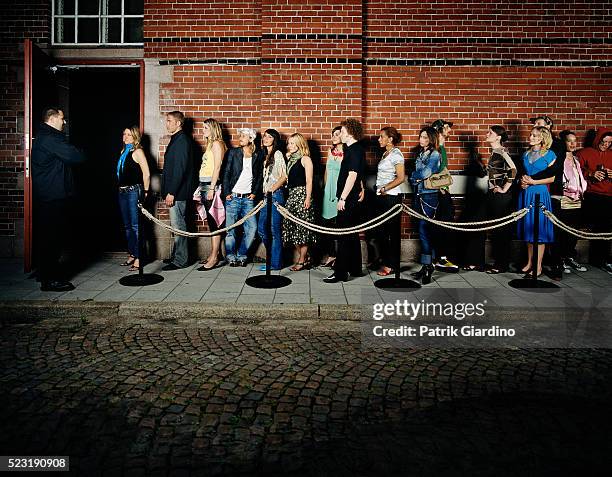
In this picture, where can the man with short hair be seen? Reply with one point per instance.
(53, 189)
(596, 163)
(178, 185)
(443, 237)
(350, 177)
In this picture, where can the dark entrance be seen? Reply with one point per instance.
(103, 101)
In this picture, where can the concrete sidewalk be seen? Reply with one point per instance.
(100, 283)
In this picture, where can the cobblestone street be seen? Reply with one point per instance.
(132, 398)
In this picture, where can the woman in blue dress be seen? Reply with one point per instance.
(537, 158)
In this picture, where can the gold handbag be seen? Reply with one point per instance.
(439, 180)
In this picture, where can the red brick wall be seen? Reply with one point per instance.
(18, 21)
(304, 65)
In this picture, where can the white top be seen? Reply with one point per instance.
(245, 181)
(386, 170)
(279, 169)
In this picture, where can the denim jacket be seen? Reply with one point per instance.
(427, 163)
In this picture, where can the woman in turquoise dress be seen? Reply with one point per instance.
(537, 158)
(329, 209)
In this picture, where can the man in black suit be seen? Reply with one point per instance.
(53, 188)
(178, 185)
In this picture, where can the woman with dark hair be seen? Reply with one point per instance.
(274, 179)
(568, 206)
(210, 172)
(389, 176)
(538, 157)
(299, 202)
(329, 206)
(426, 200)
(133, 177)
(498, 203)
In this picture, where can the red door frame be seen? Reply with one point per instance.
(27, 106)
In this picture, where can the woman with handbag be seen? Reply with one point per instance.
(390, 174)
(210, 171)
(425, 198)
(538, 157)
(568, 207)
(274, 180)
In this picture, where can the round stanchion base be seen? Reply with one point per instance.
(539, 286)
(141, 280)
(394, 284)
(264, 281)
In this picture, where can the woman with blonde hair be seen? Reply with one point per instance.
(133, 178)
(537, 158)
(214, 150)
(299, 202)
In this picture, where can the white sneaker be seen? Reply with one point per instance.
(607, 268)
(571, 263)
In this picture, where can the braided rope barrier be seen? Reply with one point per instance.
(184, 233)
(370, 224)
(578, 233)
(514, 217)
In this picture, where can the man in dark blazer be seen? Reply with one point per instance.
(178, 185)
(53, 188)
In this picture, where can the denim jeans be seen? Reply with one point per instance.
(235, 209)
(276, 248)
(180, 252)
(128, 204)
(426, 204)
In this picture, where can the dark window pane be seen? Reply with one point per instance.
(64, 7)
(64, 30)
(88, 30)
(134, 7)
(111, 30)
(114, 7)
(133, 30)
(88, 7)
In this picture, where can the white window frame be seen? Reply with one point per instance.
(102, 21)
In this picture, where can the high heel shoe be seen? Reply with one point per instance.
(418, 275)
(426, 279)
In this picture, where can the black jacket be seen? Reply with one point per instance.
(233, 169)
(52, 160)
(179, 178)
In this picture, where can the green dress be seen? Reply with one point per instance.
(330, 202)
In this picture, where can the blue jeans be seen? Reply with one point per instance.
(128, 204)
(276, 253)
(180, 252)
(426, 204)
(235, 209)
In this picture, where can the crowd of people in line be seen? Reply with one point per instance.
(575, 184)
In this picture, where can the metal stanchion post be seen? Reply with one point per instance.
(268, 280)
(533, 284)
(397, 283)
(142, 279)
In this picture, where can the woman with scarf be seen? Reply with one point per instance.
(299, 202)
(274, 179)
(133, 178)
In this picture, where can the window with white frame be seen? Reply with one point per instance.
(98, 22)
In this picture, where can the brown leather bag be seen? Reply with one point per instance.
(439, 180)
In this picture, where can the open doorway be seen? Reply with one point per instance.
(103, 101)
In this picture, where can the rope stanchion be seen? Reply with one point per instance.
(514, 217)
(184, 233)
(578, 233)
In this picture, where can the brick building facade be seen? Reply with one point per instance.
(306, 65)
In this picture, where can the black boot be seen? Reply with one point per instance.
(418, 275)
(426, 277)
